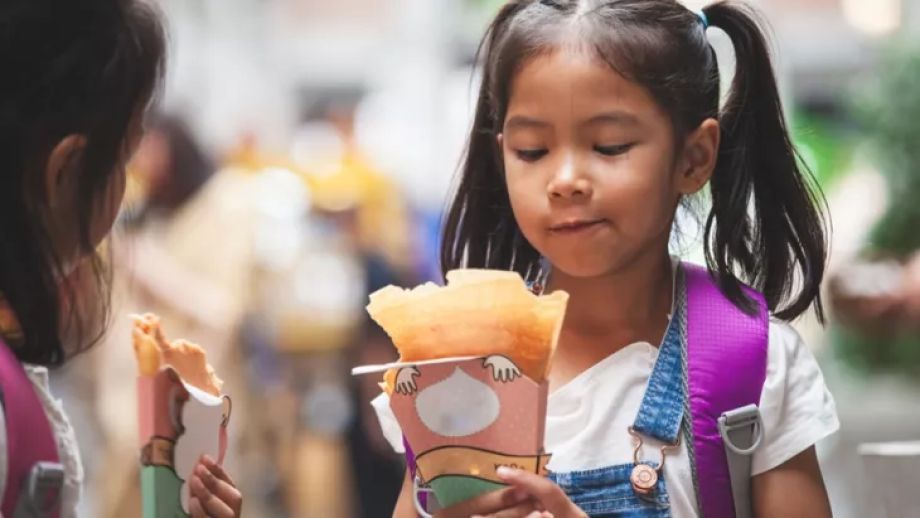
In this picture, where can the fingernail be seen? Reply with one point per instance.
(505, 472)
(201, 470)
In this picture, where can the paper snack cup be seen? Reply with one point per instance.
(179, 420)
(464, 419)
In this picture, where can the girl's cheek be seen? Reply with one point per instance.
(107, 210)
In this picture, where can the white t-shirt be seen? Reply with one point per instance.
(587, 419)
(68, 450)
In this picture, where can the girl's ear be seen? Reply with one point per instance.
(61, 168)
(700, 152)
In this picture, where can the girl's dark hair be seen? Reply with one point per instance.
(189, 166)
(765, 224)
(88, 68)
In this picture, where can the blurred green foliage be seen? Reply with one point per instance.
(889, 112)
(824, 145)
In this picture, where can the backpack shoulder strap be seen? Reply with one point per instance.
(29, 438)
(726, 369)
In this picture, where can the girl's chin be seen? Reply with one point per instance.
(582, 270)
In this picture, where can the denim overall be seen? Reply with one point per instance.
(607, 492)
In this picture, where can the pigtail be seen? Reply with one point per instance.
(765, 225)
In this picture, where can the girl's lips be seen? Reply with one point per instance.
(576, 226)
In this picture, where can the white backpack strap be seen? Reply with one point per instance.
(742, 432)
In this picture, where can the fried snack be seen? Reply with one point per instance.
(478, 313)
(188, 359)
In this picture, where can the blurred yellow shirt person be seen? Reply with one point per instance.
(383, 219)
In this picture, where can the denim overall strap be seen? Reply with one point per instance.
(662, 410)
(607, 492)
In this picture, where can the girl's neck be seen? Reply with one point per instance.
(621, 307)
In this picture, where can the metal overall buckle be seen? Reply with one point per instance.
(644, 478)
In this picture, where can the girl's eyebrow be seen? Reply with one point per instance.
(523, 121)
(618, 117)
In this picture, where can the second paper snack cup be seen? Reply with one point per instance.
(182, 414)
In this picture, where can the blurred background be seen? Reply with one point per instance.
(300, 158)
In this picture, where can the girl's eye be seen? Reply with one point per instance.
(613, 150)
(531, 155)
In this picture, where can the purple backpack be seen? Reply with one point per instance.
(721, 338)
(34, 476)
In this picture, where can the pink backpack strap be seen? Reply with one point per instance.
(28, 433)
(726, 368)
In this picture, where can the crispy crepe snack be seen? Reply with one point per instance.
(188, 359)
(478, 313)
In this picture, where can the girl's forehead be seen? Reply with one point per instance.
(578, 81)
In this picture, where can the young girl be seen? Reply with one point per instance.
(595, 121)
(76, 80)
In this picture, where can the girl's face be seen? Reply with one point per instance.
(591, 166)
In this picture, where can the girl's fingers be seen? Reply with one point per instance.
(197, 488)
(220, 488)
(485, 504)
(194, 508)
(550, 496)
(216, 469)
(524, 510)
(211, 505)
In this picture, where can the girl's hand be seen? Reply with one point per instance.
(505, 503)
(549, 499)
(213, 493)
